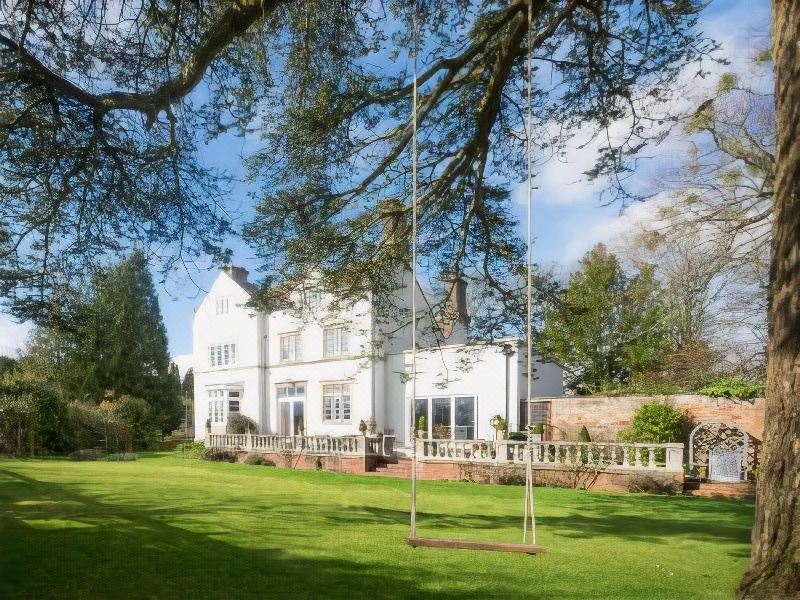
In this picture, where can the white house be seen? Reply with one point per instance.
(321, 371)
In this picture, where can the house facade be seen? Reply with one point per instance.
(322, 370)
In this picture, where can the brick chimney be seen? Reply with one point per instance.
(454, 313)
(238, 274)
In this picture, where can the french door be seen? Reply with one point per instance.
(447, 417)
(291, 409)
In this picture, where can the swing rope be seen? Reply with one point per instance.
(414, 274)
(529, 501)
(529, 480)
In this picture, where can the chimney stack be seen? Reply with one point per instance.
(454, 318)
(238, 274)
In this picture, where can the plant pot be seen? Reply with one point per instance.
(422, 434)
(499, 435)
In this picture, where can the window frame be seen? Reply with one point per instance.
(339, 406)
(429, 401)
(344, 336)
(297, 347)
(222, 355)
(222, 305)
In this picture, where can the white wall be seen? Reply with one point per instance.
(240, 326)
(315, 370)
(379, 385)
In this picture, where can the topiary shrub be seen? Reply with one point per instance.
(584, 436)
(518, 436)
(218, 454)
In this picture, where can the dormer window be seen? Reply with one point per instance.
(222, 305)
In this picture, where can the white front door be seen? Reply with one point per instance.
(291, 409)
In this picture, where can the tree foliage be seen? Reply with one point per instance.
(607, 325)
(118, 348)
(103, 107)
(654, 423)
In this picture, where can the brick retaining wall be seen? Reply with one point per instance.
(605, 416)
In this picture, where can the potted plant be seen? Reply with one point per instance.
(499, 426)
(362, 427)
(422, 427)
(536, 432)
(372, 426)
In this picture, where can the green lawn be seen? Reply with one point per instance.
(162, 527)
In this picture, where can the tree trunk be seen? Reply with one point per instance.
(775, 560)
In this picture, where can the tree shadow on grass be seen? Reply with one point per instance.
(58, 543)
(656, 519)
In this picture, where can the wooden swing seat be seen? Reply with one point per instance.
(451, 543)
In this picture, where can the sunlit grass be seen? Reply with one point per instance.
(165, 528)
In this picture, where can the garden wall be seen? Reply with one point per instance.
(605, 416)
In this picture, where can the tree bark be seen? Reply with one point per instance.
(775, 560)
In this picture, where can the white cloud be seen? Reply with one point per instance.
(184, 362)
(13, 336)
(611, 230)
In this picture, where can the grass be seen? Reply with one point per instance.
(163, 527)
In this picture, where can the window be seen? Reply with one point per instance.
(291, 347)
(221, 355)
(336, 340)
(336, 402)
(222, 306)
(312, 299)
(291, 390)
(233, 405)
(448, 417)
(539, 412)
(216, 406)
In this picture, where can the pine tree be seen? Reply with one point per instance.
(124, 346)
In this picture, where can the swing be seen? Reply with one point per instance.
(454, 543)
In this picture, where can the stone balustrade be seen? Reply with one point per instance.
(600, 455)
(347, 445)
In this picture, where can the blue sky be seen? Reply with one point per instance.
(568, 219)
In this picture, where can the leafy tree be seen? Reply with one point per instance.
(124, 346)
(607, 326)
(187, 388)
(654, 423)
(7, 364)
(119, 348)
(100, 141)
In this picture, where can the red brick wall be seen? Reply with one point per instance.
(605, 416)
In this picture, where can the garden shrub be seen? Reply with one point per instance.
(653, 484)
(518, 436)
(122, 456)
(584, 436)
(257, 459)
(218, 454)
(654, 423)
(731, 387)
(88, 454)
(190, 449)
(239, 424)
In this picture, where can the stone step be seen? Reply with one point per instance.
(711, 489)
